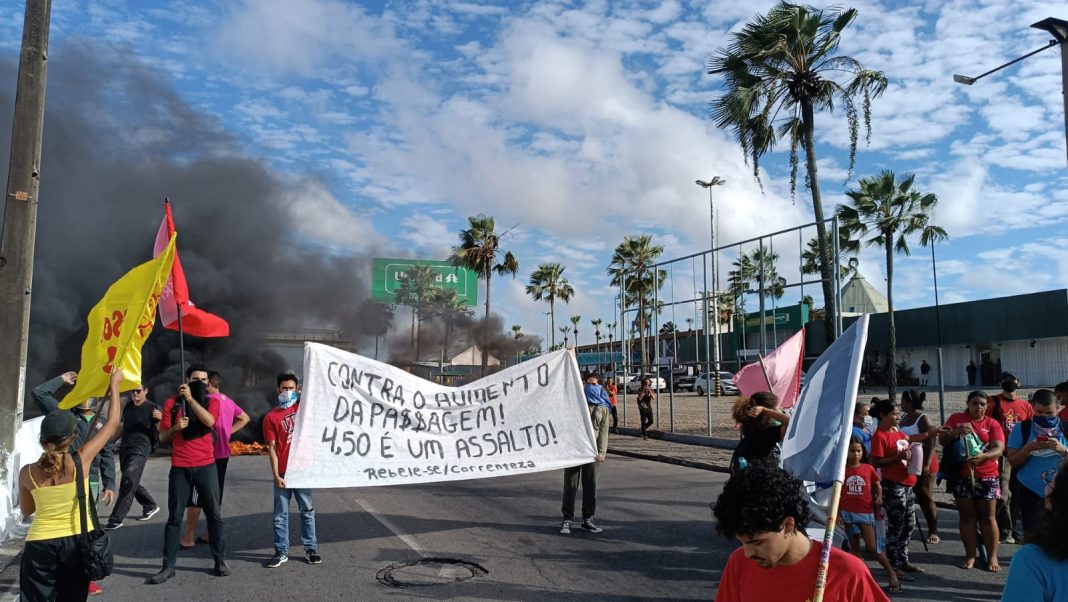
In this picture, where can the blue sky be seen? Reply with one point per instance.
(578, 123)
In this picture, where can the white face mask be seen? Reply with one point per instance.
(287, 399)
(869, 422)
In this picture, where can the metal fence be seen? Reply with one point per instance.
(698, 290)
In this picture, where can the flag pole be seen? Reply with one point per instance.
(181, 345)
(828, 543)
(764, 369)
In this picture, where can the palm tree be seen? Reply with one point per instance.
(446, 304)
(747, 269)
(596, 322)
(810, 257)
(632, 261)
(565, 330)
(777, 72)
(689, 324)
(548, 283)
(886, 212)
(575, 322)
(517, 332)
(416, 291)
(375, 319)
(480, 251)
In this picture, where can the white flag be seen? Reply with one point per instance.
(817, 439)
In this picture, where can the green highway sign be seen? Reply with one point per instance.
(388, 273)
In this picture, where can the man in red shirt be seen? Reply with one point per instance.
(777, 560)
(188, 422)
(1061, 392)
(278, 434)
(1008, 409)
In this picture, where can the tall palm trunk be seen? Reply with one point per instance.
(552, 320)
(826, 267)
(485, 325)
(419, 334)
(411, 344)
(892, 371)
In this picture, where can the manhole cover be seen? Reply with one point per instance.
(427, 572)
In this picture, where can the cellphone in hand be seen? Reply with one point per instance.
(1041, 437)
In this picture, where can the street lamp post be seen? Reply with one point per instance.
(1058, 28)
(938, 334)
(548, 330)
(715, 181)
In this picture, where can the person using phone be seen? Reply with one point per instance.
(1037, 446)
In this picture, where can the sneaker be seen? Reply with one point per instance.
(590, 526)
(112, 525)
(161, 576)
(1008, 538)
(222, 569)
(565, 528)
(149, 513)
(312, 557)
(279, 559)
(94, 589)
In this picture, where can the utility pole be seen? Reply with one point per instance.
(20, 221)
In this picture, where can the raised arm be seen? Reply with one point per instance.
(94, 444)
(44, 394)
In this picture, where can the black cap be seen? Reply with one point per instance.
(58, 425)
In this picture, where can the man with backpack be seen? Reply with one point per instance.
(1008, 410)
(1037, 447)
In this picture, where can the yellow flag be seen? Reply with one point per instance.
(118, 327)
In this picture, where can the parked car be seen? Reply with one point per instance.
(635, 383)
(706, 382)
(621, 377)
(678, 379)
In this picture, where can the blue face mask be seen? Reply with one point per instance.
(287, 399)
(1046, 422)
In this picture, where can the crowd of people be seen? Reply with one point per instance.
(1002, 460)
(198, 423)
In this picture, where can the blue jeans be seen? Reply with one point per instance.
(281, 518)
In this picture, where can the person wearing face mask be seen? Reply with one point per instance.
(187, 424)
(278, 434)
(1008, 409)
(1036, 447)
(764, 508)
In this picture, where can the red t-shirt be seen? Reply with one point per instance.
(988, 430)
(193, 452)
(848, 578)
(1064, 414)
(885, 444)
(278, 427)
(857, 492)
(1012, 411)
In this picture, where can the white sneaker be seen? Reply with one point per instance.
(565, 528)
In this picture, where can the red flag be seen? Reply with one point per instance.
(784, 371)
(195, 322)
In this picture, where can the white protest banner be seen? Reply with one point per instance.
(364, 423)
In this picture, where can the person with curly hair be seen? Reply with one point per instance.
(763, 426)
(1039, 570)
(764, 508)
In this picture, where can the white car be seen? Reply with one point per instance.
(635, 383)
(619, 376)
(706, 382)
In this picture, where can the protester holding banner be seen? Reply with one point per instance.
(978, 441)
(51, 566)
(765, 509)
(890, 453)
(187, 423)
(598, 404)
(1039, 570)
(278, 427)
(915, 422)
(763, 428)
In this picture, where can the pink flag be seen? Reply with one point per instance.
(784, 371)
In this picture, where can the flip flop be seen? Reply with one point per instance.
(967, 564)
(933, 539)
(185, 547)
(904, 577)
(910, 568)
(201, 539)
(894, 589)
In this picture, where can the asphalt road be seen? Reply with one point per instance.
(658, 543)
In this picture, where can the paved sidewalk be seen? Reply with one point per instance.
(707, 453)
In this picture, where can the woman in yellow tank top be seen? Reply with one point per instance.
(51, 566)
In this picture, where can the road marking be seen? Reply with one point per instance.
(393, 528)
